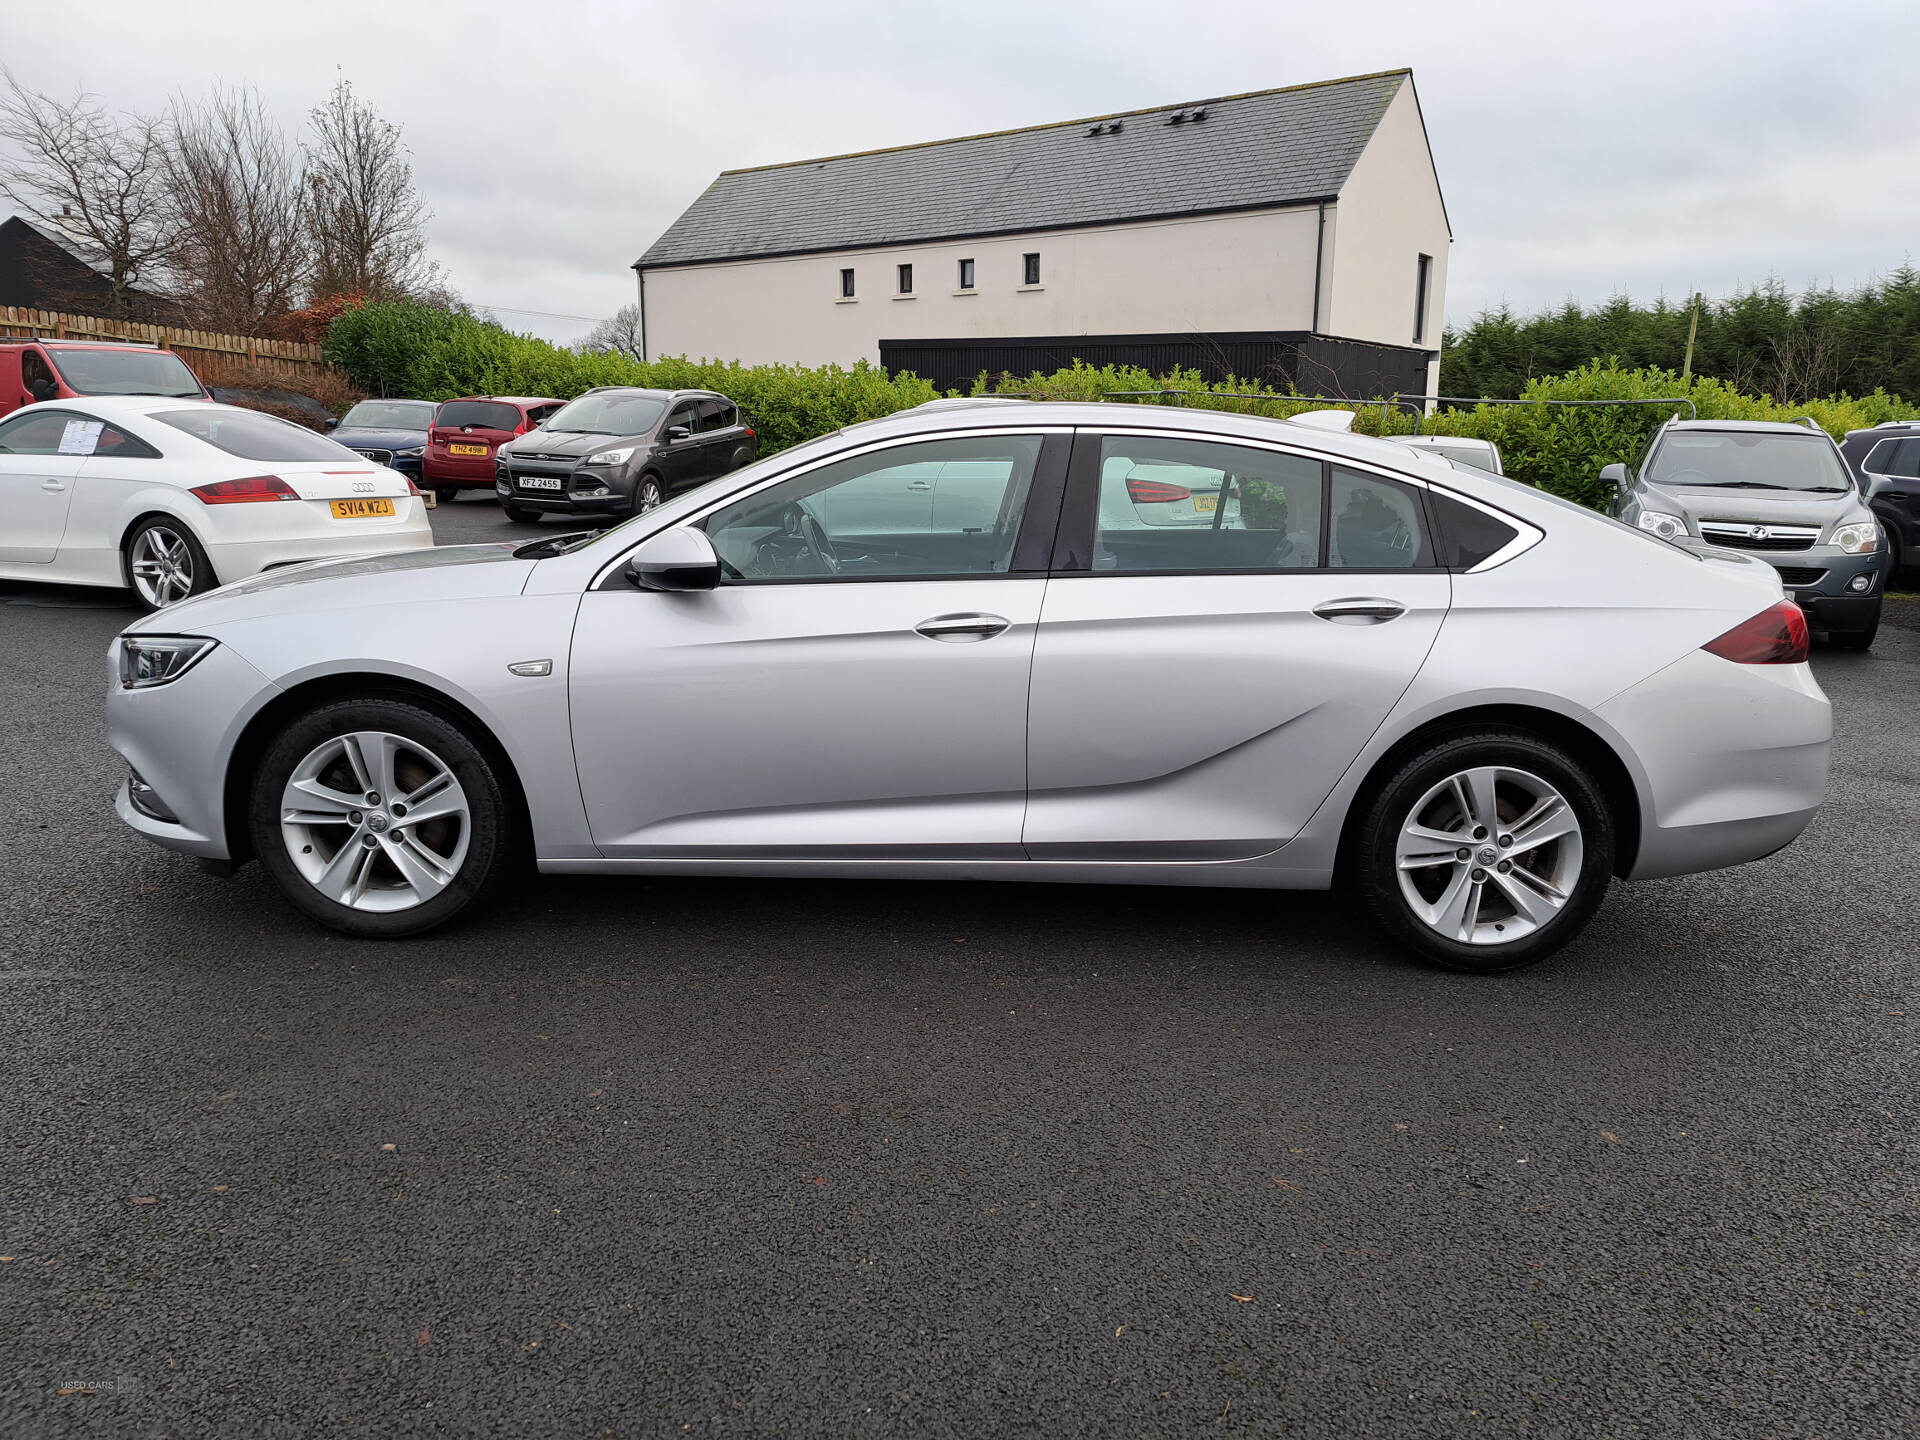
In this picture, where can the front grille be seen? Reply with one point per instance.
(1800, 575)
(379, 457)
(1745, 535)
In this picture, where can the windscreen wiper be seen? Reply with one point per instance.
(1728, 484)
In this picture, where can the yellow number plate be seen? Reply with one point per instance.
(467, 450)
(1205, 503)
(360, 509)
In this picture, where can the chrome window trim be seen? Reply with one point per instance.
(835, 457)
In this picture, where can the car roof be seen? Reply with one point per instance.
(1751, 427)
(503, 399)
(657, 394)
(1440, 440)
(109, 407)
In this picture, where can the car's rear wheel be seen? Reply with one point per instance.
(1486, 851)
(446, 494)
(520, 514)
(164, 563)
(380, 818)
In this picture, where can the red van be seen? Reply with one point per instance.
(465, 433)
(32, 370)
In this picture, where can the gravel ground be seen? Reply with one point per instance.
(767, 1158)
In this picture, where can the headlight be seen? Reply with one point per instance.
(149, 660)
(611, 457)
(1860, 538)
(1667, 527)
(414, 454)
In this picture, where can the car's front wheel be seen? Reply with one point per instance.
(1487, 850)
(380, 818)
(649, 495)
(520, 514)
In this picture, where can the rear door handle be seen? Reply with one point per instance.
(1360, 610)
(962, 627)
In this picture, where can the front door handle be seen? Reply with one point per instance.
(53, 487)
(1360, 610)
(962, 627)
(919, 485)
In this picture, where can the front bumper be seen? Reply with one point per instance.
(180, 737)
(1822, 581)
(580, 492)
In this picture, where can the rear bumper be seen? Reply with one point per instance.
(460, 470)
(1733, 760)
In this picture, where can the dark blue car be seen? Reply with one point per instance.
(388, 432)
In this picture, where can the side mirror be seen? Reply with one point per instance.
(332, 422)
(1614, 475)
(44, 390)
(679, 561)
(677, 432)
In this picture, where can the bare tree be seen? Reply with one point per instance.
(96, 178)
(368, 222)
(236, 192)
(619, 332)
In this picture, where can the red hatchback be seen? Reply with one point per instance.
(465, 433)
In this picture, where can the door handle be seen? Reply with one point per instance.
(1360, 610)
(53, 487)
(919, 485)
(962, 627)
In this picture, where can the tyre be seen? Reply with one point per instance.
(446, 494)
(520, 514)
(380, 818)
(163, 563)
(648, 494)
(1855, 639)
(1485, 851)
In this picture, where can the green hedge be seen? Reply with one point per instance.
(416, 350)
(429, 354)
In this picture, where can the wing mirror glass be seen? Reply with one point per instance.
(675, 560)
(677, 432)
(332, 422)
(1614, 475)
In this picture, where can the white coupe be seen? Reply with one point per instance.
(173, 497)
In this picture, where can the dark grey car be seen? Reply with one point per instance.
(1782, 491)
(618, 451)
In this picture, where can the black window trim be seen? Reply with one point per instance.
(903, 273)
(847, 282)
(1080, 512)
(968, 275)
(1030, 267)
(1039, 525)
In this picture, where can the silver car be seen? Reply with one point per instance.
(1468, 702)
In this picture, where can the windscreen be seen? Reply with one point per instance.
(253, 436)
(1748, 460)
(612, 413)
(124, 372)
(389, 415)
(479, 414)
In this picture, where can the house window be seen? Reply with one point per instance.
(1030, 268)
(846, 284)
(906, 279)
(1423, 281)
(966, 274)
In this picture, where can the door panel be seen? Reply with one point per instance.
(807, 720)
(41, 453)
(1207, 716)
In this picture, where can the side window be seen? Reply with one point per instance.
(37, 375)
(1175, 504)
(67, 432)
(1376, 524)
(682, 415)
(939, 508)
(1905, 460)
(715, 415)
(1466, 535)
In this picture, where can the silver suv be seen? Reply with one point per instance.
(1783, 491)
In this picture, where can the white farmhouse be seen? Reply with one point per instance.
(1292, 236)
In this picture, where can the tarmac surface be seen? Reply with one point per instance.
(736, 1158)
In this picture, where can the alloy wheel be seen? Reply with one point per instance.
(650, 496)
(1489, 855)
(161, 563)
(375, 821)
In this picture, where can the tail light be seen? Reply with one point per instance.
(244, 492)
(750, 434)
(412, 489)
(1156, 492)
(1776, 636)
(521, 428)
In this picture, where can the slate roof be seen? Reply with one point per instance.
(1267, 148)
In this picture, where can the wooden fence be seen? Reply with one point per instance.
(217, 359)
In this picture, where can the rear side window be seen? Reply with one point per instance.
(1895, 457)
(252, 436)
(1175, 504)
(715, 414)
(1464, 535)
(478, 414)
(1376, 524)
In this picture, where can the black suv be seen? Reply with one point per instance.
(1781, 490)
(618, 451)
(1887, 460)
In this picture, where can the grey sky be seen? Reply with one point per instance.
(1583, 149)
